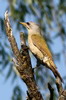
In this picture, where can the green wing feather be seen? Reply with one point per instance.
(40, 43)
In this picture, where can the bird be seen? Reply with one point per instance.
(39, 47)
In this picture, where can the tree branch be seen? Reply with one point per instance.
(24, 64)
(61, 91)
(51, 91)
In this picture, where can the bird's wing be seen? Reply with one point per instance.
(40, 43)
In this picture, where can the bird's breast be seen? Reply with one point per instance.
(34, 49)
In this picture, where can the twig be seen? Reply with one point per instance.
(62, 96)
(11, 38)
(22, 38)
(62, 92)
(59, 85)
(51, 91)
(24, 65)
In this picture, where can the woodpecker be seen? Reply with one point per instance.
(39, 48)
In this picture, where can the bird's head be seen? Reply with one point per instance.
(31, 26)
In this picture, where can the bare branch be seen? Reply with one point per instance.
(59, 85)
(22, 38)
(11, 38)
(62, 92)
(51, 91)
(23, 61)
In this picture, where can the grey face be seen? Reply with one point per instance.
(31, 26)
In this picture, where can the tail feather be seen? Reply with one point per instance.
(52, 66)
(56, 73)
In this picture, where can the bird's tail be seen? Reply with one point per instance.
(56, 73)
(54, 70)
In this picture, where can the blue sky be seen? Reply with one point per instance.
(6, 88)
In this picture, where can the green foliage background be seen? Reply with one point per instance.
(51, 16)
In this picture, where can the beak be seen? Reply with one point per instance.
(23, 23)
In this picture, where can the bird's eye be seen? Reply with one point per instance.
(28, 23)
